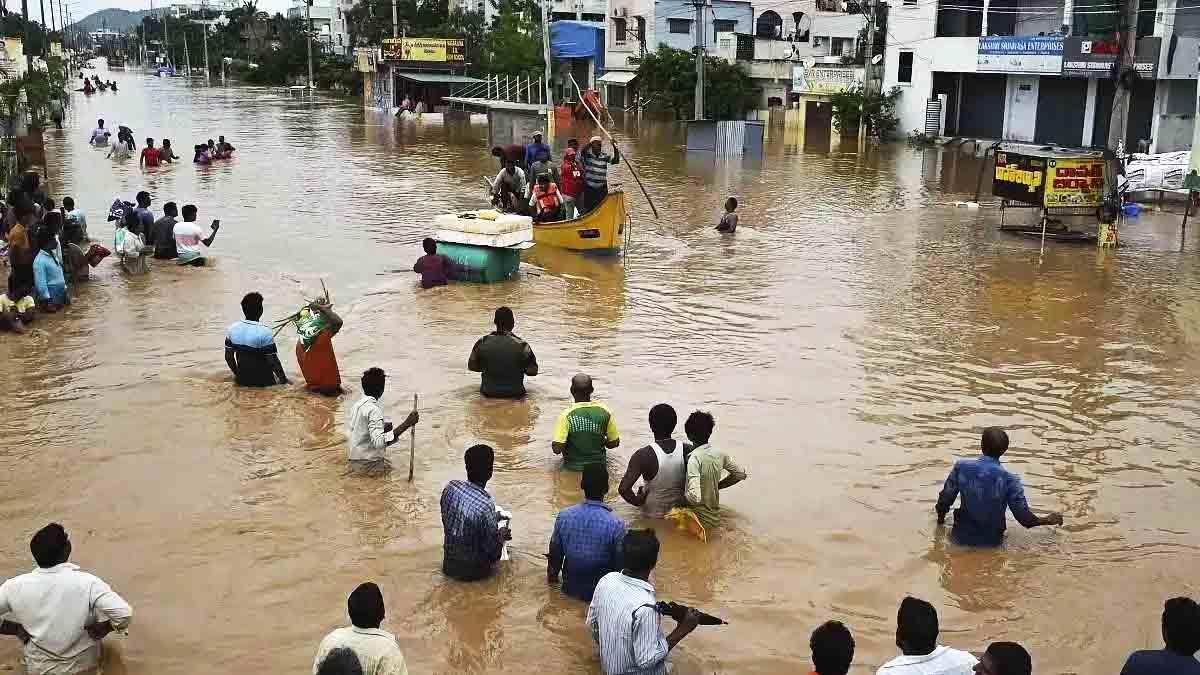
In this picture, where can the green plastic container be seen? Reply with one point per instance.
(488, 264)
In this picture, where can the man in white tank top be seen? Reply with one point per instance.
(662, 466)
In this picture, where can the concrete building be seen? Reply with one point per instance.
(329, 21)
(638, 26)
(1039, 70)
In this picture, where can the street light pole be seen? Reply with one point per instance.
(395, 21)
(308, 33)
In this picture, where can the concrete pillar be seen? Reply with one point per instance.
(1089, 111)
(1164, 20)
(986, 6)
(1068, 14)
(1162, 90)
(1195, 159)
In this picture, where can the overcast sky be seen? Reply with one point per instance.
(81, 8)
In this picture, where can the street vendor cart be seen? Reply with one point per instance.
(1061, 184)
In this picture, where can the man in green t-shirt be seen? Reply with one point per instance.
(585, 431)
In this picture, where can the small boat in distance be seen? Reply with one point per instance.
(597, 232)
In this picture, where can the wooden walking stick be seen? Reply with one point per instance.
(412, 443)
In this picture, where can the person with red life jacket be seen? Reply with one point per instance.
(572, 180)
(547, 201)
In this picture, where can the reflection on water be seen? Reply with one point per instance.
(850, 340)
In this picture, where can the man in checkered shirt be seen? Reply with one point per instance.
(473, 541)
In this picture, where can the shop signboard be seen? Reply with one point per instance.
(450, 51)
(1020, 178)
(1072, 183)
(1094, 57)
(824, 79)
(1035, 54)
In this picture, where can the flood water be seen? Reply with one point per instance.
(851, 340)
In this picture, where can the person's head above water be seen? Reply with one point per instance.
(50, 546)
(252, 305)
(594, 482)
(340, 661)
(365, 606)
(68, 203)
(1005, 658)
(832, 648)
(731, 204)
(504, 320)
(430, 245)
(663, 420)
(699, 427)
(479, 460)
(143, 198)
(916, 627)
(100, 123)
(994, 442)
(639, 553)
(220, 139)
(189, 213)
(171, 209)
(373, 382)
(1181, 626)
(581, 387)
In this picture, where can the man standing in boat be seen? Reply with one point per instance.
(595, 173)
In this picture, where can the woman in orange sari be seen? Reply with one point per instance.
(317, 325)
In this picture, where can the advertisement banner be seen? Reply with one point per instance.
(364, 59)
(1094, 57)
(1074, 182)
(425, 50)
(1020, 178)
(824, 79)
(1008, 54)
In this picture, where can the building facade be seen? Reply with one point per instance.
(328, 19)
(1041, 71)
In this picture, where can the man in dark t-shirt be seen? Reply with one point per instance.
(1181, 633)
(503, 359)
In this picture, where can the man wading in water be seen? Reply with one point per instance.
(503, 359)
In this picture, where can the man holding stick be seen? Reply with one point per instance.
(595, 173)
(367, 432)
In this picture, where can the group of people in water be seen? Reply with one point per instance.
(529, 183)
(93, 84)
(124, 145)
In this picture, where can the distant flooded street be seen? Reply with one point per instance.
(851, 341)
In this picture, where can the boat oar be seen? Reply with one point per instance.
(412, 443)
(611, 140)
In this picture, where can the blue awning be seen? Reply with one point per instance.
(577, 40)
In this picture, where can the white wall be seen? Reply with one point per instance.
(948, 55)
(616, 57)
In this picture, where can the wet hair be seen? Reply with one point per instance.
(594, 481)
(340, 661)
(917, 626)
(1181, 625)
(45, 239)
(166, 142)
(430, 245)
(373, 380)
(189, 212)
(99, 123)
(68, 203)
(699, 427)
(639, 551)
(171, 209)
(994, 442)
(252, 305)
(50, 546)
(498, 152)
(149, 142)
(663, 420)
(365, 606)
(143, 196)
(49, 205)
(731, 203)
(832, 648)
(52, 222)
(504, 319)
(479, 460)
(1010, 658)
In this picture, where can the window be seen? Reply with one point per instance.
(769, 25)
(680, 26)
(839, 46)
(904, 72)
(723, 26)
(619, 30)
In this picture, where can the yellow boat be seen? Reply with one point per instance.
(601, 231)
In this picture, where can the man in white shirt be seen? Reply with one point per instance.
(916, 636)
(99, 134)
(60, 613)
(190, 241)
(377, 650)
(367, 432)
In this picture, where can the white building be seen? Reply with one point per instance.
(329, 21)
(573, 10)
(1039, 70)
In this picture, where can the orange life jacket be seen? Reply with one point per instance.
(549, 199)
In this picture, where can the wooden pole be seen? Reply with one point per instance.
(632, 171)
(1188, 212)
(412, 443)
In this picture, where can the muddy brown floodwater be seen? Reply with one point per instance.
(851, 341)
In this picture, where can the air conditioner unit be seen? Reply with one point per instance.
(817, 42)
(620, 12)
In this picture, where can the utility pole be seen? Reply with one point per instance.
(869, 68)
(187, 56)
(546, 58)
(27, 43)
(700, 53)
(395, 21)
(167, 37)
(45, 35)
(204, 27)
(308, 33)
(1120, 113)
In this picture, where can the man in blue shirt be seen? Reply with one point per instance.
(473, 534)
(586, 543)
(987, 489)
(534, 149)
(144, 214)
(1181, 632)
(250, 348)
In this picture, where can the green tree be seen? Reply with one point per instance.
(668, 81)
(852, 106)
(513, 43)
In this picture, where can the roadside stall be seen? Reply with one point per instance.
(1064, 185)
